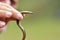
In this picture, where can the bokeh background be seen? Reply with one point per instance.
(43, 24)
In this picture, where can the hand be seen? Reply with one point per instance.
(8, 13)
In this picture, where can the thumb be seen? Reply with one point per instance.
(2, 26)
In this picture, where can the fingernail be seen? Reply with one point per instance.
(19, 16)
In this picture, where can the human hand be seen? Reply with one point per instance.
(8, 13)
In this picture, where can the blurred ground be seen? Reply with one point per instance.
(43, 24)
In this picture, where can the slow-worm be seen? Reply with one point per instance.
(20, 26)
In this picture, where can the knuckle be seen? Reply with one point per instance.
(8, 14)
(5, 14)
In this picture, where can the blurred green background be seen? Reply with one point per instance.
(43, 24)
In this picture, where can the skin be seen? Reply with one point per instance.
(8, 13)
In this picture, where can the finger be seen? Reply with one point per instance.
(5, 4)
(2, 26)
(3, 29)
(4, 8)
(17, 16)
(5, 14)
